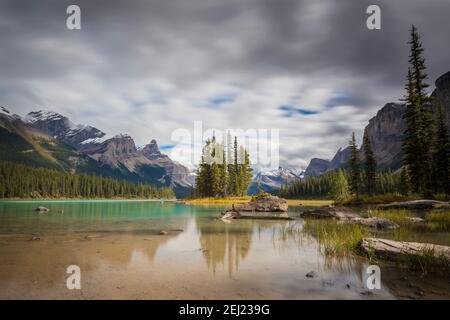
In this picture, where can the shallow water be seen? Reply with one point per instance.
(121, 256)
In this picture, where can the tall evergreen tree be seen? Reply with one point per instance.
(354, 167)
(370, 164)
(441, 159)
(419, 133)
(405, 182)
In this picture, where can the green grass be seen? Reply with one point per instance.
(336, 239)
(435, 221)
(438, 220)
(427, 261)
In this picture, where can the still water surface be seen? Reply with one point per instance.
(122, 256)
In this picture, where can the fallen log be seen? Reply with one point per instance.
(396, 250)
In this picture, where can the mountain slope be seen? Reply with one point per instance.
(118, 153)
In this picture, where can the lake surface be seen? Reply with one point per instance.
(121, 255)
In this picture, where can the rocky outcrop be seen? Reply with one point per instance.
(399, 249)
(416, 205)
(264, 204)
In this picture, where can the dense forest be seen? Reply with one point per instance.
(20, 181)
(224, 169)
(322, 186)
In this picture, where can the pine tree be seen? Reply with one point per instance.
(441, 159)
(405, 182)
(419, 133)
(370, 164)
(354, 167)
(340, 191)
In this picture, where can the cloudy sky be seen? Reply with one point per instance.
(147, 68)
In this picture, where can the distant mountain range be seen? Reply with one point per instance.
(49, 139)
(385, 131)
(271, 181)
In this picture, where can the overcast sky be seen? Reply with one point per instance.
(146, 68)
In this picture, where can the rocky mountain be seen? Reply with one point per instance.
(61, 128)
(385, 131)
(87, 149)
(271, 181)
(317, 167)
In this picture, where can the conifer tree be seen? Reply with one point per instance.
(441, 159)
(405, 182)
(370, 164)
(354, 167)
(419, 133)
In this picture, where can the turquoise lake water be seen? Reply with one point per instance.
(121, 254)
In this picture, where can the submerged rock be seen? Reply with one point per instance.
(416, 205)
(333, 213)
(312, 274)
(398, 249)
(415, 219)
(42, 209)
(267, 203)
(377, 223)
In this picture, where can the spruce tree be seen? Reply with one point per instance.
(354, 167)
(441, 159)
(419, 133)
(370, 164)
(405, 182)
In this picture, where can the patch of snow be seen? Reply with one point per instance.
(43, 115)
(98, 140)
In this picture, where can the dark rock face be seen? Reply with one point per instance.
(317, 167)
(441, 96)
(385, 131)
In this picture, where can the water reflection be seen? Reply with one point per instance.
(256, 258)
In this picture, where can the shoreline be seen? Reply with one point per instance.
(85, 199)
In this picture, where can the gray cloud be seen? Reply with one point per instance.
(150, 67)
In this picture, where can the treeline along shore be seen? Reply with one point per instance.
(24, 182)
